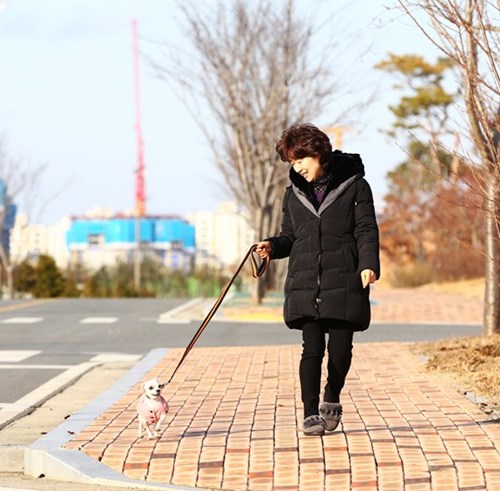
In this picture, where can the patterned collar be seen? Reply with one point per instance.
(322, 182)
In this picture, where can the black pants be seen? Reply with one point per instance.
(313, 350)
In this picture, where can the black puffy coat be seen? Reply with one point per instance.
(328, 247)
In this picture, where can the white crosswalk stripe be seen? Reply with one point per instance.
(22, 320)
(2, 488)
(13, 356)
(99, 320)
(112, 357)
(34, 367)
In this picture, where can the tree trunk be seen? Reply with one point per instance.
(491, 319)
(7, 267)
(10, 281)
(259, 284)
(258, 289)
(479, 130)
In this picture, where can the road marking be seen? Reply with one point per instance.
(112, 357)
(37, 367)
(22, 320)
(171, 316)
(13, 356)
(26, 305)
(171, 320)
(99, 320)
(16, 489)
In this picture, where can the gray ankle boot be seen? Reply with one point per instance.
(331, 412)
(314, 425)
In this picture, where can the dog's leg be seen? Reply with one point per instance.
(151, 435)
(159, 423)
(140, 431)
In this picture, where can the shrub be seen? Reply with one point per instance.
(49, 280)
(24, 277)
(412, 275)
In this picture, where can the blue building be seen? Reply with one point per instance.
(8, 210)
(101, 241)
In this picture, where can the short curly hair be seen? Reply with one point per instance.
(304, 140)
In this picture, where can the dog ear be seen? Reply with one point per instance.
(143, 387)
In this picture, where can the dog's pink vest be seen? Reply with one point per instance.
(152, 415)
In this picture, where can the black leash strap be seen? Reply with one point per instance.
(257, 270)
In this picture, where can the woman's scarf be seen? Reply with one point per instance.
(319, 187)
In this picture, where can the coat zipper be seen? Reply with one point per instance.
(318, 300)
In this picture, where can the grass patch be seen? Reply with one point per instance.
(473, 363)
(471, 288)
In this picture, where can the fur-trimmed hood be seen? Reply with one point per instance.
(341, 165)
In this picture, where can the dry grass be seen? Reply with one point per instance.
(473, 363)
(471, 288)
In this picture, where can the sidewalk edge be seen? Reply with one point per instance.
(46, 457)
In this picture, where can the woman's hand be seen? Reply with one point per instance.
(367, 277)
(263, 249)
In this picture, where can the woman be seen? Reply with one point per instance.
(329, 231)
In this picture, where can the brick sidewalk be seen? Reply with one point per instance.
(234, 420)
(405, 306)
(420, 306)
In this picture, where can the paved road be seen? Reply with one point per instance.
(41, 339)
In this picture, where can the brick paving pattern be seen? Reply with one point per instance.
(418, 306)
(406, 306)
(236, 412)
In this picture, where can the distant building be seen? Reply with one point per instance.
(99, 241)
(217, 238)
(223, 236)
(8, 214)
(29, 241)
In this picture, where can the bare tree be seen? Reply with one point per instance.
(253, 66)
(21, 186)
(465, 32)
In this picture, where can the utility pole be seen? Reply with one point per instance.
(140, 200)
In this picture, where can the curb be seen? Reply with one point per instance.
(36, 398)
(46, 457)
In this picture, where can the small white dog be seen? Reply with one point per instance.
(152, 408)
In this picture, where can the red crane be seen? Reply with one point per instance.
(140, 197)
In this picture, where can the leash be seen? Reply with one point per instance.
(257, 270)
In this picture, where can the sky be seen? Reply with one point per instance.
(67, 102)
